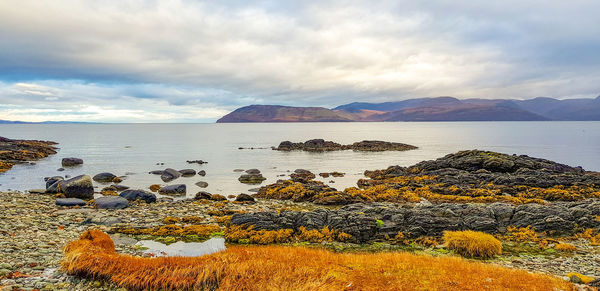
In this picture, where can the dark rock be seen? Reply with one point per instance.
(77, 187)
(156, 172)
(170, 175)
(111, 202)
(177, 189)
(244, 198)
(251, 178)
(52, 184)
(417, 219)
(202, 184)
(70, 162)
(302, 176)
(217, 197)
(104, 177)
(60, 169)
(188, 172)
(202, 195)
(133, 195)
(253, 171)
(199, 162)
(69, 202)
(119, 188)
(202, 173)
(238, 170)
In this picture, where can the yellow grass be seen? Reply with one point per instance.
(293, 268)
(473, 243)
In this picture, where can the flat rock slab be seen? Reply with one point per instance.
(69, 202)
(111, 202)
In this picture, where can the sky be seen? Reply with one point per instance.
(194, 61)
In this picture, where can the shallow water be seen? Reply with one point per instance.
(183, 249)
(134, 149)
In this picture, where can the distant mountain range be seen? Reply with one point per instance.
(43, 122)
(427, 109)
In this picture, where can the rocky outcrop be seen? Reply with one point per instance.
(133, 195)
(467, 176)
(321, 145)
(71, 162)
(14, 151)
(77, 187)
(422, 219)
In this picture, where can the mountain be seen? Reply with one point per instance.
(276, 113)
(43, 122)
(428, 109)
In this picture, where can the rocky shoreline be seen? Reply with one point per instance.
(534, 206)
(35, 230)
(14, 151)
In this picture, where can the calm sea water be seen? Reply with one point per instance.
(135, 149)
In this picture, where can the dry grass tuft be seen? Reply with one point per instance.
(293, 268)
(473, 243)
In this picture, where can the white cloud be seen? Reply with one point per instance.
(327, 53)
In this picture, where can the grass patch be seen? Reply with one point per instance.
(293, 268)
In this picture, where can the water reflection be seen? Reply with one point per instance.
(183, 249)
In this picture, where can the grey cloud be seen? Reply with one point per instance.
(231, 53)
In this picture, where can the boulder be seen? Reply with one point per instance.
(302, 176)
(70, 162)
(251, 178)
(77, 187)
(111, 202)
(177, 189)
(253, 171)
(170, 175)
(202, 173)
(104, 177)
(188, 172)
(69, 202)
(245, 198)
(202, 195)
(202, 184)
(52, 184)
(156, 172)
(133, 195)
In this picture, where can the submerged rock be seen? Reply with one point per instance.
(71, 162)
(104, 177)
(251, 178)
(188, 172)
(202, 184)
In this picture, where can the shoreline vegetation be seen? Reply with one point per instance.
(492, 216)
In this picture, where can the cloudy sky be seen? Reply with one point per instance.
(194, 61)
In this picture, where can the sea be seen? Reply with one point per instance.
(133, 150)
